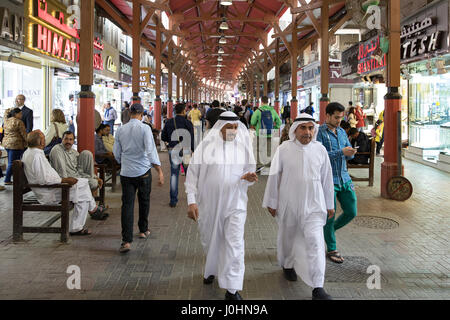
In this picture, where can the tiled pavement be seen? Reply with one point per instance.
(413, 258)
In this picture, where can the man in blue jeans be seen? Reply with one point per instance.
(185, 135)
(335, 140)
(135, 150)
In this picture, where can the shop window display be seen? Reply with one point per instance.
(429, 96)
(19, 79)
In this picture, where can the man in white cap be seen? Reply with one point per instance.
(299, 193)
(220, 171)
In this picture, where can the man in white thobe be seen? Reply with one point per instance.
(217, 180)
(300, 193)
(39, 171)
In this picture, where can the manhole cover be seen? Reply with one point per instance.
(375, 222)
(353, 269)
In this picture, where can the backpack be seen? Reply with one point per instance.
(287, 112)
(266, 121)
(308, 110)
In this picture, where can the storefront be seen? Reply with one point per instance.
(425, 63)
(107, 87)
(125, 75)
(14, 75)
(340, 89)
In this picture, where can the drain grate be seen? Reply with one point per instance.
(353, 269)
(375, 222)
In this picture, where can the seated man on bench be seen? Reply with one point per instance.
(360, 140)
(39, 171)
(67, 162)
(102, 155)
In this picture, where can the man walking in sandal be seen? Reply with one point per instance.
(335, 140)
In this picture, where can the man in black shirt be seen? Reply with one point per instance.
(213, 114)
(187, 132)
(359, 139)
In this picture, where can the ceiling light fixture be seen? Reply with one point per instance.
(219, 58)
(220, 50)
(223, 26)
(222, 40)
(226, 2)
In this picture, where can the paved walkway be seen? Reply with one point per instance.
(407, 241)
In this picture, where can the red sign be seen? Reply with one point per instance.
(54, 44)
(370, 56)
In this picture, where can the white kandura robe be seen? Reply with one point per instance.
(221, 196)
(300, 187)
(39, 171)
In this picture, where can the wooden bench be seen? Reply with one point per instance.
(112, 168)
(369, 166)
(100, 168)
(20, 187)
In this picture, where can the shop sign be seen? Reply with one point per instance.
(125, 67)
(98, 60)
(311, 74)
(111, 62)
(335, 73)
(51, 35)
(144, 81)
(415, 42)
(110, 66)
(11, 29)
(299, 76)
(350, 60)
(367, 53)
(425, 32)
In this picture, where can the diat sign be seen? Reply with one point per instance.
(52, 36)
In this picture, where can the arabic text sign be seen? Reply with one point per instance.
(144, 77)
(415, 42)
(350, 60)
(366, 52)
(425, 32)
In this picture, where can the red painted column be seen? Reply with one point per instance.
(294, 107)
(277, 106)
(324, 101)
(86, 98)
(169, 109)
(157, 113)
(389, 168)
(86, 120)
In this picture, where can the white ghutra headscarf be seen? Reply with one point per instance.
(303, 118)
(213, 142)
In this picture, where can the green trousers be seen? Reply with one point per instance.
(347, 198)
